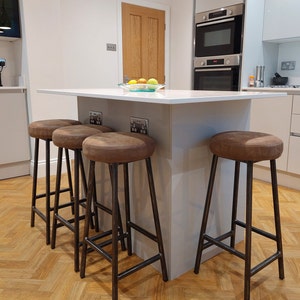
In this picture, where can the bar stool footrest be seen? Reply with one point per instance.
(51, 193)
(91, 241)
(143, 231)
(139, 266)
(257, 230)
(68, 223)
(218, 242)
(265, 263)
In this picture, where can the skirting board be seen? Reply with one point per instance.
(14, 170)
(289, 180)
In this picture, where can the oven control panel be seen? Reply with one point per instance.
(218, 61)
(220, 13)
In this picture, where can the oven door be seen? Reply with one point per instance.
(219, 37)
(217, 79)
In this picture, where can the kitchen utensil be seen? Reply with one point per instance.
(259, 76)
(279, 80)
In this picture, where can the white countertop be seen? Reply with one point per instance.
(4, 89)
(289, 91)
(162, 96)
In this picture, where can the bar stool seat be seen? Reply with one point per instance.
(42, 130)
(244, 147)
(121, 148)
(71, 138)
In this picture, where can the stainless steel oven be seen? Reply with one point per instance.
(221, 73)
(219, 32)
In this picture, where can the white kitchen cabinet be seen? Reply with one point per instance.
(281, 20)
(294, 149)
(15, 154)
(273, 116)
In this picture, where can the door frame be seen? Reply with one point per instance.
(148, 4)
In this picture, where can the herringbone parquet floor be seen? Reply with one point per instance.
(29, 269)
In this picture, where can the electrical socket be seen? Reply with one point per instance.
(139, 125)
(111, 47)
(288, 65)
(96, 117)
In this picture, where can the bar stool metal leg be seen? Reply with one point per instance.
(34, 183)
(235, 203)
(248, 234)
(156, 219)
(277, 218)
(206, 213)
(115, 225)
(90, 192)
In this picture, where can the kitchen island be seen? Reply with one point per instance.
(181, 122)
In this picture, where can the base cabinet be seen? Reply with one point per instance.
(273, 116)
(15, 154)
(294, 149)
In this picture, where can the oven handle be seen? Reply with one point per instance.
(215, 22)
(213, 69)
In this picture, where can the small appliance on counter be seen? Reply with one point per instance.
(2, 64)
(259, 76)
(279, 80)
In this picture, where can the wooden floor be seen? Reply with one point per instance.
(29, 269)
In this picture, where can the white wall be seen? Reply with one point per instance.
(181, 46)
(252, 47)
(64, 46)
(289, 52)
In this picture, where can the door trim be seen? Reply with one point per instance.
(149, 4)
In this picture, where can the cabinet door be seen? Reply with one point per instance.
(294, 155)
(281, 20)
(13, 128)
(273, 115)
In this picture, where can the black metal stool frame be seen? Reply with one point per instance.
(116, 276)
(46, 217)
(73, 223)
(248, 272)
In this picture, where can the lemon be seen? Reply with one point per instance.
(132, 81)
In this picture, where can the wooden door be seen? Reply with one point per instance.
(143, 31)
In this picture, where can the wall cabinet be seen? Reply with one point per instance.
(15, 155)
(281, 20)
(273, 116)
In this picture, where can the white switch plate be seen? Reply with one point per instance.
(288, 65)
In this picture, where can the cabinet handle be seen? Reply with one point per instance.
(296, 134)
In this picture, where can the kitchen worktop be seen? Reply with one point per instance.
(8, 89)
(289, 91)
(162, 96)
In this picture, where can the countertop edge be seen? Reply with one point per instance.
(164, 96)
(289, 91)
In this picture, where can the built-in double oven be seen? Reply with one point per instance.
(218, 48)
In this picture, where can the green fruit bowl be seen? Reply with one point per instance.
(141, 87)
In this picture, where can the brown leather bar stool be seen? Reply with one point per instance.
(246, 147)
(121, 148)
(42, 130)
(71, 138)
